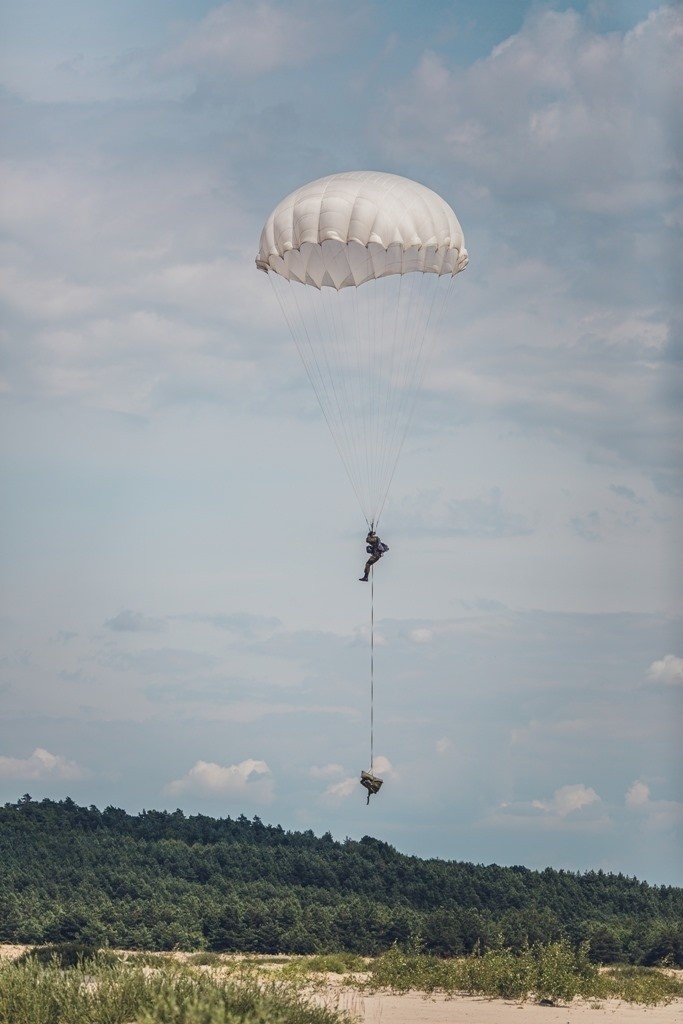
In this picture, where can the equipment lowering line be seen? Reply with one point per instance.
(372, 669)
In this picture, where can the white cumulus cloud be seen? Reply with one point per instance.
(658, 815)
(519, 117)
(382, 767)
(568, 799)
(638, 795)
(40, 766)
(206, 778)
(668, 669)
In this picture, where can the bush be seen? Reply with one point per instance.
(553, 973)
(335, 963)
(644, 985)
(31, 993)
(66, 954)
(207, 959)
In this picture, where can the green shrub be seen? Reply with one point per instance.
(646, 985)
(66, 954)
(402, 971)
(123, 993)
(499, 973)
(334, 963)
(557, 978)
(206, 959)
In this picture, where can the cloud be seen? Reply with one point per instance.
(342, 790)
(161, 661)
(40, 766)
(568, 800)
(108, 315)
(246, 40)
(240, 623)
(483, 516)
(588, 527)
(544, 124)
(627, 493)
(135, 622)
(421, 635)
(659, 815)
(325, 771)
(207, 779)
(638, 795)
(382, 767)
(668, 670)
(443, 745)
(516, 120)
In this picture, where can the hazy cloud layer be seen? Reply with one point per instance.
(245, 40)
(135, 622)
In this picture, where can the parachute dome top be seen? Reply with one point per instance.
(345, 229)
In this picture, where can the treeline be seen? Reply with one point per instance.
(159, 880)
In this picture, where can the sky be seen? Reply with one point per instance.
(182, 623)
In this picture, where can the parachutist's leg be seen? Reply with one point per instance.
(370, 562)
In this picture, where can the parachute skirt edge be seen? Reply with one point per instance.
(336, 264)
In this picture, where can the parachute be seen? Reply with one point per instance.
(358, 262)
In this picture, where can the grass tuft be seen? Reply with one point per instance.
(100, 992)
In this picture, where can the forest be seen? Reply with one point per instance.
(161, 880)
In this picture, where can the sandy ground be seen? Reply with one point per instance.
(413, 1008)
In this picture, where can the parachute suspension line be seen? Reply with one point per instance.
(318, 385)
(409, 353)
(393, 346)
(349, 364)
(426, 341)
(349, 359)
(372, 668)
(329, 336)
(365, 351)
(357, 386)
(402, 371)
(414, 379)
(408, 392)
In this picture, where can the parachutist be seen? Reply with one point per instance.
(375, 548)
(371, 783)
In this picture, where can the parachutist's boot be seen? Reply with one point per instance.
(363, 579)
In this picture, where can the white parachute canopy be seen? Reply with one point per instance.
(364, 348)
